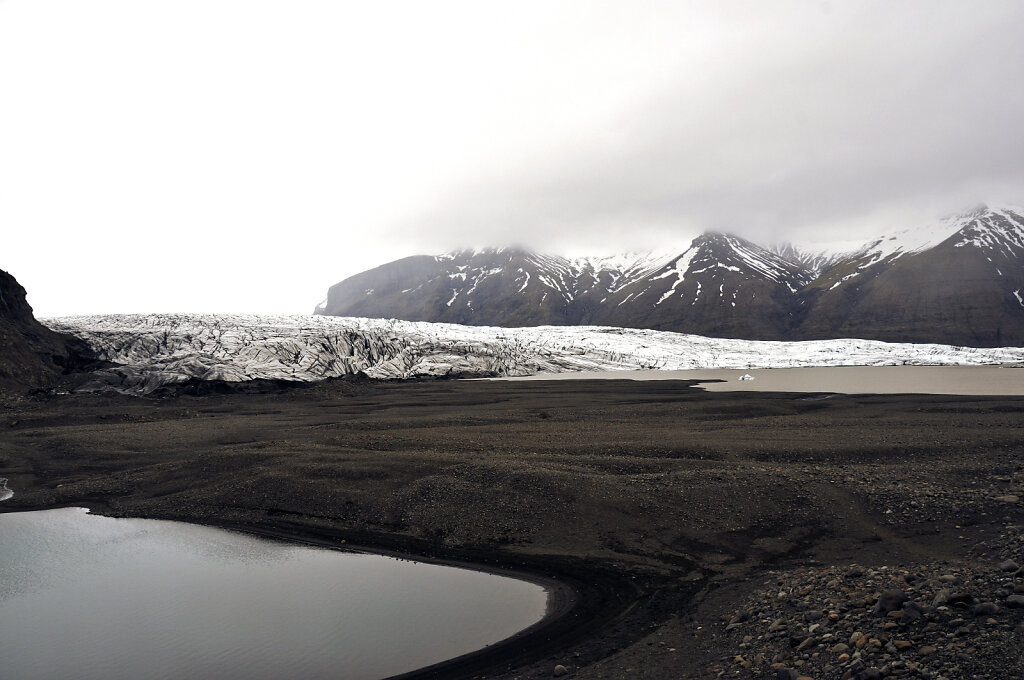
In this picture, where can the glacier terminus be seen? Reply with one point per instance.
(150, 351)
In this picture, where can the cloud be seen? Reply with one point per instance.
(242, 155)
(819, 126)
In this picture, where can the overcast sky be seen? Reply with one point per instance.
(243, 155)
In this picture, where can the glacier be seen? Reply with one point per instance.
(154, 350)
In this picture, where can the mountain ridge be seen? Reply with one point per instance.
(959, 281)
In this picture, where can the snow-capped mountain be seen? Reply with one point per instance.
(815, 258)
(959, 280)
(884, 250)
(721, 285)
(499, 286)
(160, 349)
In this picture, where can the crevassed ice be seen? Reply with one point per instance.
(154, 350)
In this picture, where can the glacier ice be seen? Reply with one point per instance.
(159, 349)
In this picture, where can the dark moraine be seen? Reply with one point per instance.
(84, 596)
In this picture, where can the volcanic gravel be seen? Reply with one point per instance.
(747, 535)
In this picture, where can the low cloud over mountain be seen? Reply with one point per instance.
(957, 281)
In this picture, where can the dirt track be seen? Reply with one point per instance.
(663, 505)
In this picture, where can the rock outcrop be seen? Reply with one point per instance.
(31, 355)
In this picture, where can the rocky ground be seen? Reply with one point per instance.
(936, 620)
(747, 535)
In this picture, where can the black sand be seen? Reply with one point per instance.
(660, 506)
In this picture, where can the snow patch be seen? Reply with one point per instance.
(998, 232)
(525, 283)
(681, 268)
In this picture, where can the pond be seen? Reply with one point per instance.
(84, 596)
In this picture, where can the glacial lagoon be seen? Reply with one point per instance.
(994, 380)
(90, 597)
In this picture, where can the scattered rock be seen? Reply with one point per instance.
(912, 612)
(887, 622)
(985, 609)
(869, 674)
(889, 601)
(560, 670)
(960, 599)
(809, 642)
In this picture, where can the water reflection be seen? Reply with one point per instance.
(93, 597)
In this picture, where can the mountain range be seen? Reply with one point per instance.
(958, 281)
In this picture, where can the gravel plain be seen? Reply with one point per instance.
(750, 535)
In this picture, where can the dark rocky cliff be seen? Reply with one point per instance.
(31, 355)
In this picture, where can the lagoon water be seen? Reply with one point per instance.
(964, 380)
(84, 596)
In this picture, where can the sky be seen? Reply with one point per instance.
(244, 155)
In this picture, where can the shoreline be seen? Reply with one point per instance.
(993, 380)
(580, 598)
(662, 507)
